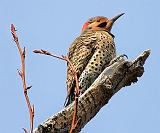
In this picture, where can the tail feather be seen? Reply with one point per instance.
(69, 99)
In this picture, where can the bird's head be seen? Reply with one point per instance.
(100, 23)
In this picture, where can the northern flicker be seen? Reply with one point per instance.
(90, 53)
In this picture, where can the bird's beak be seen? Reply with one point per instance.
(116, 17)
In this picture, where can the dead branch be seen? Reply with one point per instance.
(120, 74)
(74, 120)
(22, 75)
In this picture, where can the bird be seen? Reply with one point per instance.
(90, 53)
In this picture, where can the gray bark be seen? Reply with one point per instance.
(120, 74)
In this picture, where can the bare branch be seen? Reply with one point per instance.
(120, 74)
(65, 58)
(22, 75)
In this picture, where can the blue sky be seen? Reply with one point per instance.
(53, 25)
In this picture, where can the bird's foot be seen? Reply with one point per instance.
(118, 58)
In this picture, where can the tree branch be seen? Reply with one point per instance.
(23, 77)
(65, 58)
(120, 74)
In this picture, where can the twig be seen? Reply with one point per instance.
(22, 75)
(65, 58)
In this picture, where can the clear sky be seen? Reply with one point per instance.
(53, 25)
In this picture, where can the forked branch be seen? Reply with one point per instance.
(65, 58)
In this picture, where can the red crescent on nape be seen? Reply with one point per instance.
(85, 26)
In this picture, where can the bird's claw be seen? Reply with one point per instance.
(123, 55)
(118, 58)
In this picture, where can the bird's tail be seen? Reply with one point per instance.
(68, 100)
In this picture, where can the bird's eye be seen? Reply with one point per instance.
(98, 20)
(102, 24)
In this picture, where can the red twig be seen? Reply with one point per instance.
(65, 58)
(22, 75)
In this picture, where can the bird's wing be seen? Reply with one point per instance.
(79, 54)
